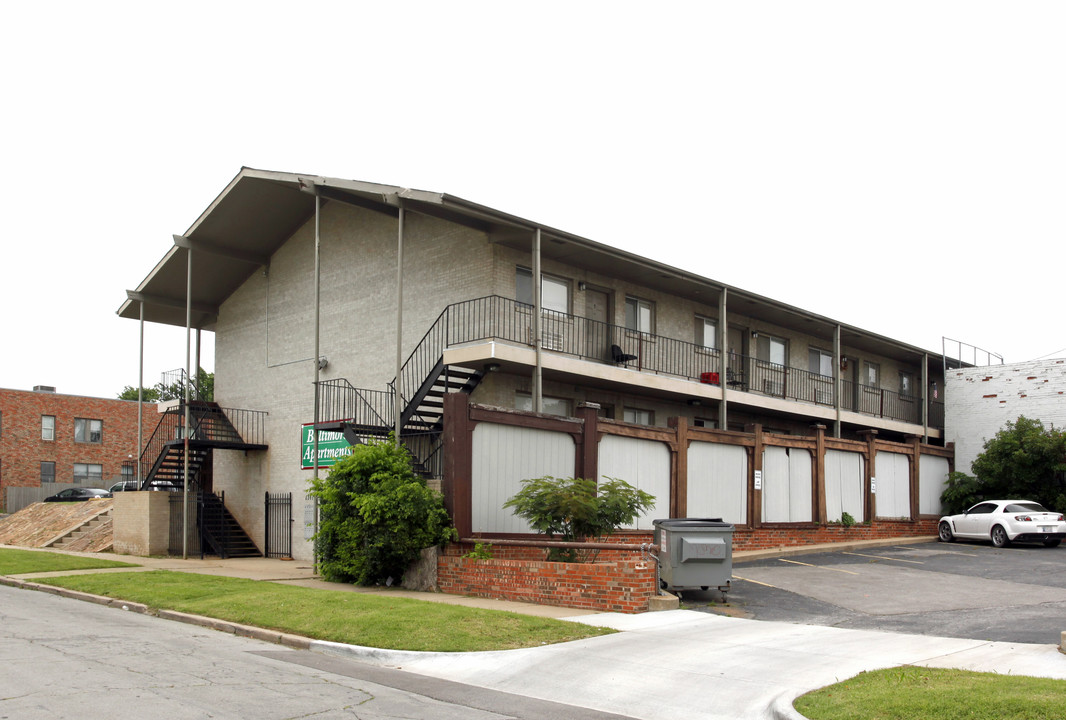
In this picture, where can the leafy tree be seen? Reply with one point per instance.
(130, 393)
(577, 509)
(1023, 460)
(376, 516)
(161, 392)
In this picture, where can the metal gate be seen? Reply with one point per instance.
(277, 533)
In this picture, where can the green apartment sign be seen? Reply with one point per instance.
(331, 447)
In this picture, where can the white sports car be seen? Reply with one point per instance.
(1004, 522)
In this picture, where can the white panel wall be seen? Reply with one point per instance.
(893, 485)
(844, 476)
(932, 480)
(645, 464)
(718, 482)
(504, 456)
(786, 485)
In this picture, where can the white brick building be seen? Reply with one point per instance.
(981, 400)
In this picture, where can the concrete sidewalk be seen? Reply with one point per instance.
(673, 664)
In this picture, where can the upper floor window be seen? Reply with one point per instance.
(88, 431)
(771, 349)
(706, 332)
(86, 473)
(638, 416)
(48, 471)
(820, 362)
(906, 384)
(48, 427)
(640, 315)
(871, 374)
(554, 292)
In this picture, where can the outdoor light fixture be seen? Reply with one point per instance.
(492, 367)
(323, 363)
(695, 402)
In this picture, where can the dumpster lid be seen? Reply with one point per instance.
(691, 523)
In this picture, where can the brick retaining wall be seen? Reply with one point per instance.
(620, 581)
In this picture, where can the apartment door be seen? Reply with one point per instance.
(597, 328)
(736, 375)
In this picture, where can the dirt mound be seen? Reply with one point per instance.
(39, 524)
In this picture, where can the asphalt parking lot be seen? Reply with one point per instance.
(961, 590)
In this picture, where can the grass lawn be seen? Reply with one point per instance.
(17, 562)
(917, 693)
(336, 615)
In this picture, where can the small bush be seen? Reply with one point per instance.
(846, 519)
(577, 509)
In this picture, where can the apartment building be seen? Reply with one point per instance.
(301, 277)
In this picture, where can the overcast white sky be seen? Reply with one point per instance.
(898, 166)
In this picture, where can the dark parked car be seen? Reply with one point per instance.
(78, 494)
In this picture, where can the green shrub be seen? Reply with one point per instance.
(376, 516)
(577, 509)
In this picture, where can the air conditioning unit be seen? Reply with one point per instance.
(773, 387)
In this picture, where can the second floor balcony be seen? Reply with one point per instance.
(464, 328)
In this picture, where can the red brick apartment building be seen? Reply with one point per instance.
(47, 437)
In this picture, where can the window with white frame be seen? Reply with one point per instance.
(638, 416)
(640, 315)
(820, 362)
(554, 292)
(88, 431)
(871, 374)
(48, 471)
(88, 473)
(906, 384)
(48, 427)
(771, 349)
(706, 332)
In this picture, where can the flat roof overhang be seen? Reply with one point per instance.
(259, 211)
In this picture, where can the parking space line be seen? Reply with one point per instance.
(883, 557)
(737, 577)
(822, 567)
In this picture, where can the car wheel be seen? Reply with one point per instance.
(1054, 542)
(999, 537)
(945, 532)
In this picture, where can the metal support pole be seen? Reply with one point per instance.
(188, 360)
(723, 356)
(317, 371)
(196, 378)
(837, 380)
(140, 405)
(397, 400)
(538, 371)
(925, 397)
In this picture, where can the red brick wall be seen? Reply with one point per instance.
(620, 582)
(22, 450)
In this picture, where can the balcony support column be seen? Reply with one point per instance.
(723, 360)
(538, 374)
(837, 384)
(397, 409)
(925, 397)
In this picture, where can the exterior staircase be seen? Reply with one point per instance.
(220, 531)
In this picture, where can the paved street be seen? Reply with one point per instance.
(963, 590)
(63, 658)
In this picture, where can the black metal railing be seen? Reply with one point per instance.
(340, 400)
(206, 422)
(499, 318)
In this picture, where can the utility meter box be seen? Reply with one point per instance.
(694, 553)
